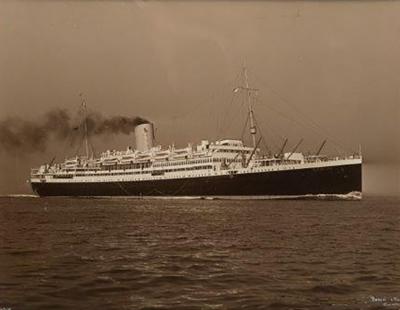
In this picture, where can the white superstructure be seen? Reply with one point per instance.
(205, 159)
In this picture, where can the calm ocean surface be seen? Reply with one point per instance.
(58, 253)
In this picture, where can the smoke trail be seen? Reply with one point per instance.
(98, 124)
(17, 134)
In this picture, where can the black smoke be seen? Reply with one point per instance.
(18, 134)
(97, 124)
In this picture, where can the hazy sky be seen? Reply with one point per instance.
(324, 69)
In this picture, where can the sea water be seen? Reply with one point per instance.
(64, 253)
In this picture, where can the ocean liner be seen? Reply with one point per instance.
(224, 168)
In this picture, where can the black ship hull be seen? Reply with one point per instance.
(322, 180)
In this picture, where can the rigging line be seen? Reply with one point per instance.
(235, 116)
(272, 137)
(273, 141)
(274, 132)
(225, 115)
(87, 133)
(301, 121)
(310, 120)
(215, 120)
(300, 124)
(79, 145)
(286, 117)
(81, 129)
(91, 147)
(70, 139)
(317, 134)
(68, 143)
(226, 124)
(244, 127)
(223, 118)
(262, 136)
(208, 98)
(282, 138)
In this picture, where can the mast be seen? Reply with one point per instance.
(85, 127)
(253, 128)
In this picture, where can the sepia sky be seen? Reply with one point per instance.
(325, 69)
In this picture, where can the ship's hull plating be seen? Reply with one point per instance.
(323, 180)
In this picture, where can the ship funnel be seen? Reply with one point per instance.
(144, 137)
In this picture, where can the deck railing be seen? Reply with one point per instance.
(263, 161)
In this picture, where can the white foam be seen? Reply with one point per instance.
(20, 196)
(349, 196)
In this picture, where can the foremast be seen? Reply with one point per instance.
(248, 92)
(85, 126)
